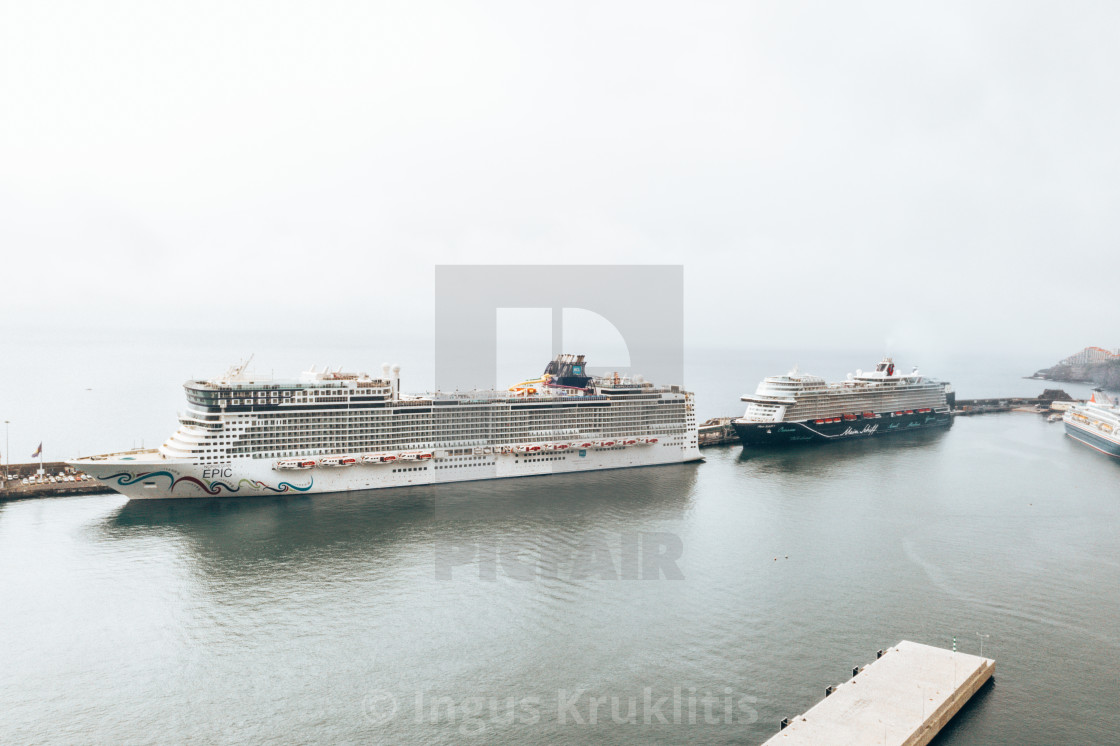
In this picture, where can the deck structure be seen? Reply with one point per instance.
(904, 698)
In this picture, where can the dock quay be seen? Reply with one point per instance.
(58, 479)
(903, 698)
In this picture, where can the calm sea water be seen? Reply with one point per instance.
(511, 611)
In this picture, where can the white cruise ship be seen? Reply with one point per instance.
(1096, 423)
(798, 407)
(330, 431)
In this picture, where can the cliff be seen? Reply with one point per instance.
(1103, 374)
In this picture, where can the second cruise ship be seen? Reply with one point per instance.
(330, 431)
(797, 407)
(1096, 423)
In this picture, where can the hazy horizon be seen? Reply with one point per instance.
(829, 175)
(184, 185)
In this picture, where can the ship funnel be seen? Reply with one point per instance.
(385, 371)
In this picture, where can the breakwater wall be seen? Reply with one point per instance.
(966, 407)
(1051, 400)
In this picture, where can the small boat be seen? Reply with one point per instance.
(561, 446)
(849, 417)
(338, 461)
(586, 444)
(532, 448)
(294, 463)
(628, 442)
(376, 458)
(604, 443)
(647, 441)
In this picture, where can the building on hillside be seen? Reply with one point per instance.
(1091, 355)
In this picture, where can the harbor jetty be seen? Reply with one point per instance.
(1050, 401)
(904, 698)
(56, 479)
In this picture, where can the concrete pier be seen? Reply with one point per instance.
(904, 698)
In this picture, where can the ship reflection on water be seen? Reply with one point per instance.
(814, 459)
(370, 523)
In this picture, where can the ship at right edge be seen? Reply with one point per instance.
(1096, 423)
(802, 408)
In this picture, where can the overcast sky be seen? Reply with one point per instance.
(832, 174)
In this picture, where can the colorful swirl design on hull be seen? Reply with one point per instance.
(215, 487)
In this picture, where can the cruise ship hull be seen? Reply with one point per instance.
(143, 475)
(1093, 438)
(790, 433)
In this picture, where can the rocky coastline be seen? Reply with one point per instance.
(1104, 374)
